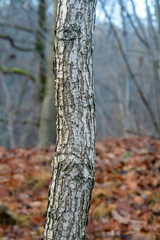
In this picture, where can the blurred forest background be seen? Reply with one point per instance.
(126, 69)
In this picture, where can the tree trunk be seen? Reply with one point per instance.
(41, 48)
(47, 128)
(128, 80)
(73, 163)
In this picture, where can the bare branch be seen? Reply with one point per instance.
(133, 25)
(26, 29)
(150, 21)
(138, 19)
(12, 42)
(130, 71)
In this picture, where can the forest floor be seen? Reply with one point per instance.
(125, 201)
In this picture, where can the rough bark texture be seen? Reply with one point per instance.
(73, 163)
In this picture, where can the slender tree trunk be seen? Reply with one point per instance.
(47, 128)
(73, 163)
(128, 80)
(41, 48)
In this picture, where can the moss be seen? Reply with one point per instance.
(42, 13)
(17, 70)
(40, 47)
(10, 218)
(126, 154)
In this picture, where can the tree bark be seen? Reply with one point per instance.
(73, 163)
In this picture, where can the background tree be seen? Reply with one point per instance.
(147, 45)
(36, 51)
(47, 129)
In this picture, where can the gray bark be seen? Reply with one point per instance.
(73, 163)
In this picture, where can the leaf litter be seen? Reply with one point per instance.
(125, 201)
